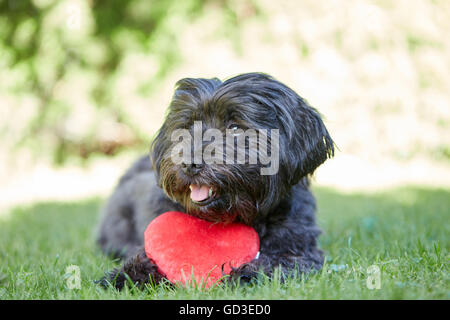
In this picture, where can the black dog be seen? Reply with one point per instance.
(279, 206)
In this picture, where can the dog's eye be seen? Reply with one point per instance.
(234, 129)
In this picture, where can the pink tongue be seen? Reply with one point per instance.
(199, 193)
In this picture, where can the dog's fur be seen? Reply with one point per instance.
(280, 207)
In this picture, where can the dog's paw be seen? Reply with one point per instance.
(115, 279)
(244, 274)
(138, 270)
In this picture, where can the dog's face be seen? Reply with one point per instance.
(231, 190)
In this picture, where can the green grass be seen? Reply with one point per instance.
(405, 232)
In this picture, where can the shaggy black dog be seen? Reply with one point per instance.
(279, 206)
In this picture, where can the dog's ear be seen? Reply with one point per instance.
(157, 150)
(304, 141)
(309, 145)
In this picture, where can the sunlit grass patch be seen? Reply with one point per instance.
(402, 232)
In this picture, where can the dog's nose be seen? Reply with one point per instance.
(191, 169)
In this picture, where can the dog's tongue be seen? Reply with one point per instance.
(199, 193)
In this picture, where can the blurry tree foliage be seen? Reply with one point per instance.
(58, 53)
(86, 77)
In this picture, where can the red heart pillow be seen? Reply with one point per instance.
(183, 246)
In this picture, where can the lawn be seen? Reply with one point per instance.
(404, 232)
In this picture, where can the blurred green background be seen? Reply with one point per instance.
(84, 79)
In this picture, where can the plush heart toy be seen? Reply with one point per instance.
(183, 246)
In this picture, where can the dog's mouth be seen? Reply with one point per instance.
(202, 194)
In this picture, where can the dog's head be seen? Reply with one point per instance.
(251, 115)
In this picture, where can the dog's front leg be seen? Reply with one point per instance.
(139, 269)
